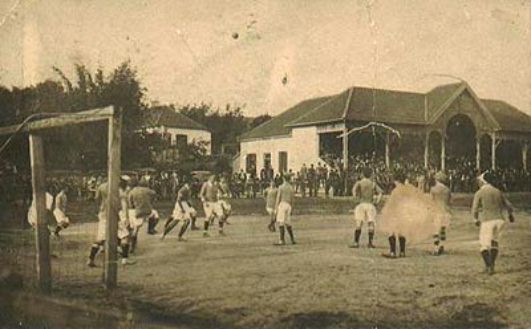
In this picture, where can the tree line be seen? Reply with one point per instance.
(84, 147)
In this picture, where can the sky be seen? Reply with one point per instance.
(269, 55)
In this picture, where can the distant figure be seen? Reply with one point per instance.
(364, 192)
(488, 210)
(283, 206)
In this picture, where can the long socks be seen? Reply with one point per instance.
(392, 245)
(290, 232)
(402, 241)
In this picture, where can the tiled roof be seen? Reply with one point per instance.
(508, 116)
(277, 126)
(165, 116)
(390, 106)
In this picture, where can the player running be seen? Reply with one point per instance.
(140, 200)
(183, 211)
(364, 192)
(123, 224)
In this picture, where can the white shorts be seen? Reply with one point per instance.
(284, 213)
(213, 209)
(102, 227)
(187, 212)
(60, 217)
(135, 221)
(490, 231)
(364, 212)
(123, 227)
(270, 211)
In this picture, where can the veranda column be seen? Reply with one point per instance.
(443, 151)
(478, 153)
(387, 157)
(345, 156)
(493, 151)
(524, 156)
(426, 149)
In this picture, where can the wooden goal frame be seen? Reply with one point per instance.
(113, 116)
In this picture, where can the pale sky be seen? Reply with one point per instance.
(185, 51)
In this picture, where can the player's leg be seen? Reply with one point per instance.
(94, 250)
(370, 214)
(392, 247)
(370, 228)
(485, 241)
(494, 244)
(357, 234)
(281, 218)
(169, 225)
(134, 239)
(100, 239)
(289, 228)
(62, 221)
(402, 243)
(219, 214)
(272, 219)
(153, 220)
(442, 240)
(209, 217)
(184, 227)
(125, 244)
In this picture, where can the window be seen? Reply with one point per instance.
(181, 140)
(250, 163)
(267, 160)
(283, 162)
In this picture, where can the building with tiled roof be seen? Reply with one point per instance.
(175, 126)
(295, 136)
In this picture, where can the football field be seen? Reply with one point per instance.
(242, 281)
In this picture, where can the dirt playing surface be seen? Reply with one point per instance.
(243, 281)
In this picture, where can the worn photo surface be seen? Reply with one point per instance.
(265, 164)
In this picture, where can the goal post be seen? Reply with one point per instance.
(113, 116)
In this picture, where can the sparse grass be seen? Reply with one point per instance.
(243, 281)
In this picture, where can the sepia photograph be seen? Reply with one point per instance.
(265, 164)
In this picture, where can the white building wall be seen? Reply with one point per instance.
(192, 134)
(302, 146)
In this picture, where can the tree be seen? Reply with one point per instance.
(255, 122)
(83, 146)
(224, 125)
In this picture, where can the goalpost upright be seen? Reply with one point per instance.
(113, 116)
